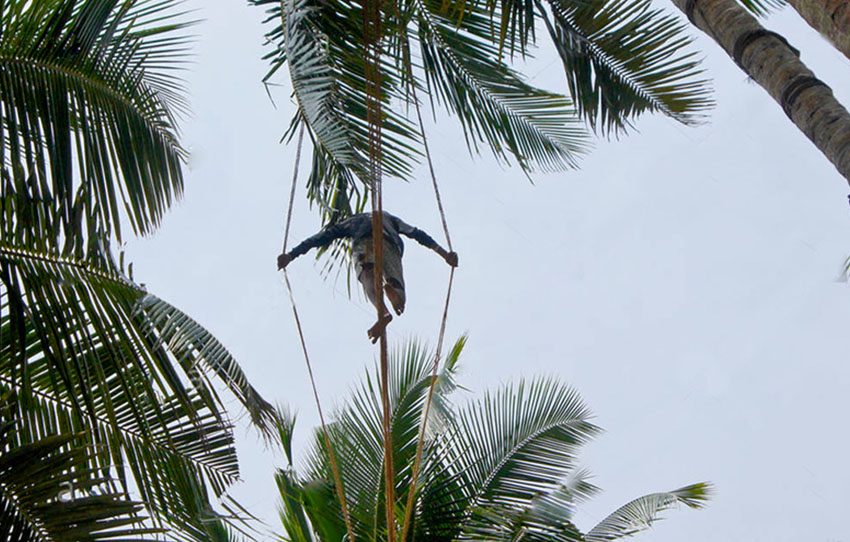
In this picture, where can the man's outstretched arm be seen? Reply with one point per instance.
(426, 240)
(322, 239)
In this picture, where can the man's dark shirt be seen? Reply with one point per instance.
(358, 227)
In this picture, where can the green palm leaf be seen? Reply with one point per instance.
(85, 348)
(357, 438)
(202, 356)
(640, 513)
(154, 328)
(88, 101)
(518, 443)
(326, 55)
(493, 103)
(357, 432)
(622, 58)
(292, 513)
(48, 492)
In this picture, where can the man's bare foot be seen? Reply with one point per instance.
(377, 330)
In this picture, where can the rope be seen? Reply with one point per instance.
(340, 490)
(372, 33)
(420, 444)
(433, 175)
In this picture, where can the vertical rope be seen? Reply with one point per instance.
(340, 490)
(372, 34)
(420, 443)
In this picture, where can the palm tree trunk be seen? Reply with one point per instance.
(775, 65)
(829, 17)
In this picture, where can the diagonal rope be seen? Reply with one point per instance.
(420, 443)
(340, 490)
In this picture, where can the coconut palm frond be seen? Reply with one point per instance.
(500, 468)
(85, 348)
(622, 58)
(103, 302)
(326, 56)
(202, 356)
(358, 440)
(49, 492)
(640, 513)
(88, 107)
(493, 103)
(519, 443)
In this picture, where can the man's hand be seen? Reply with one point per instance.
(451, 259)
(283, 260)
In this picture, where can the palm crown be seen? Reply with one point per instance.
(503, 467)
(621, 59)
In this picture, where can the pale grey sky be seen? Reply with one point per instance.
(684, 281)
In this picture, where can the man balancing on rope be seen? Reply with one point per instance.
(358, 228)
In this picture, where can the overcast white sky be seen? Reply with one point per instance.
(684, 281)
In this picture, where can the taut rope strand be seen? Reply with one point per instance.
(372, 34)
(420, 444)
(340, 490)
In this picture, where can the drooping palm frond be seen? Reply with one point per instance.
(550, 518)
(492, 102)
(84, 349)
(326, 56)
(49, 492)
(108, 307)
(88, 100)
(640, 513)
(333, 187)
(202, 356)
(622, 58)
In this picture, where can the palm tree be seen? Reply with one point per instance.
(621, 59)
(775, 65)
(499, 468)
(829, 17)
(118, 387)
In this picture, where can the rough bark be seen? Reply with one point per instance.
(829, 17)
(775, 65)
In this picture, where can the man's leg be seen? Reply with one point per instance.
(396, 295)
(366, 276)
(394, 278)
